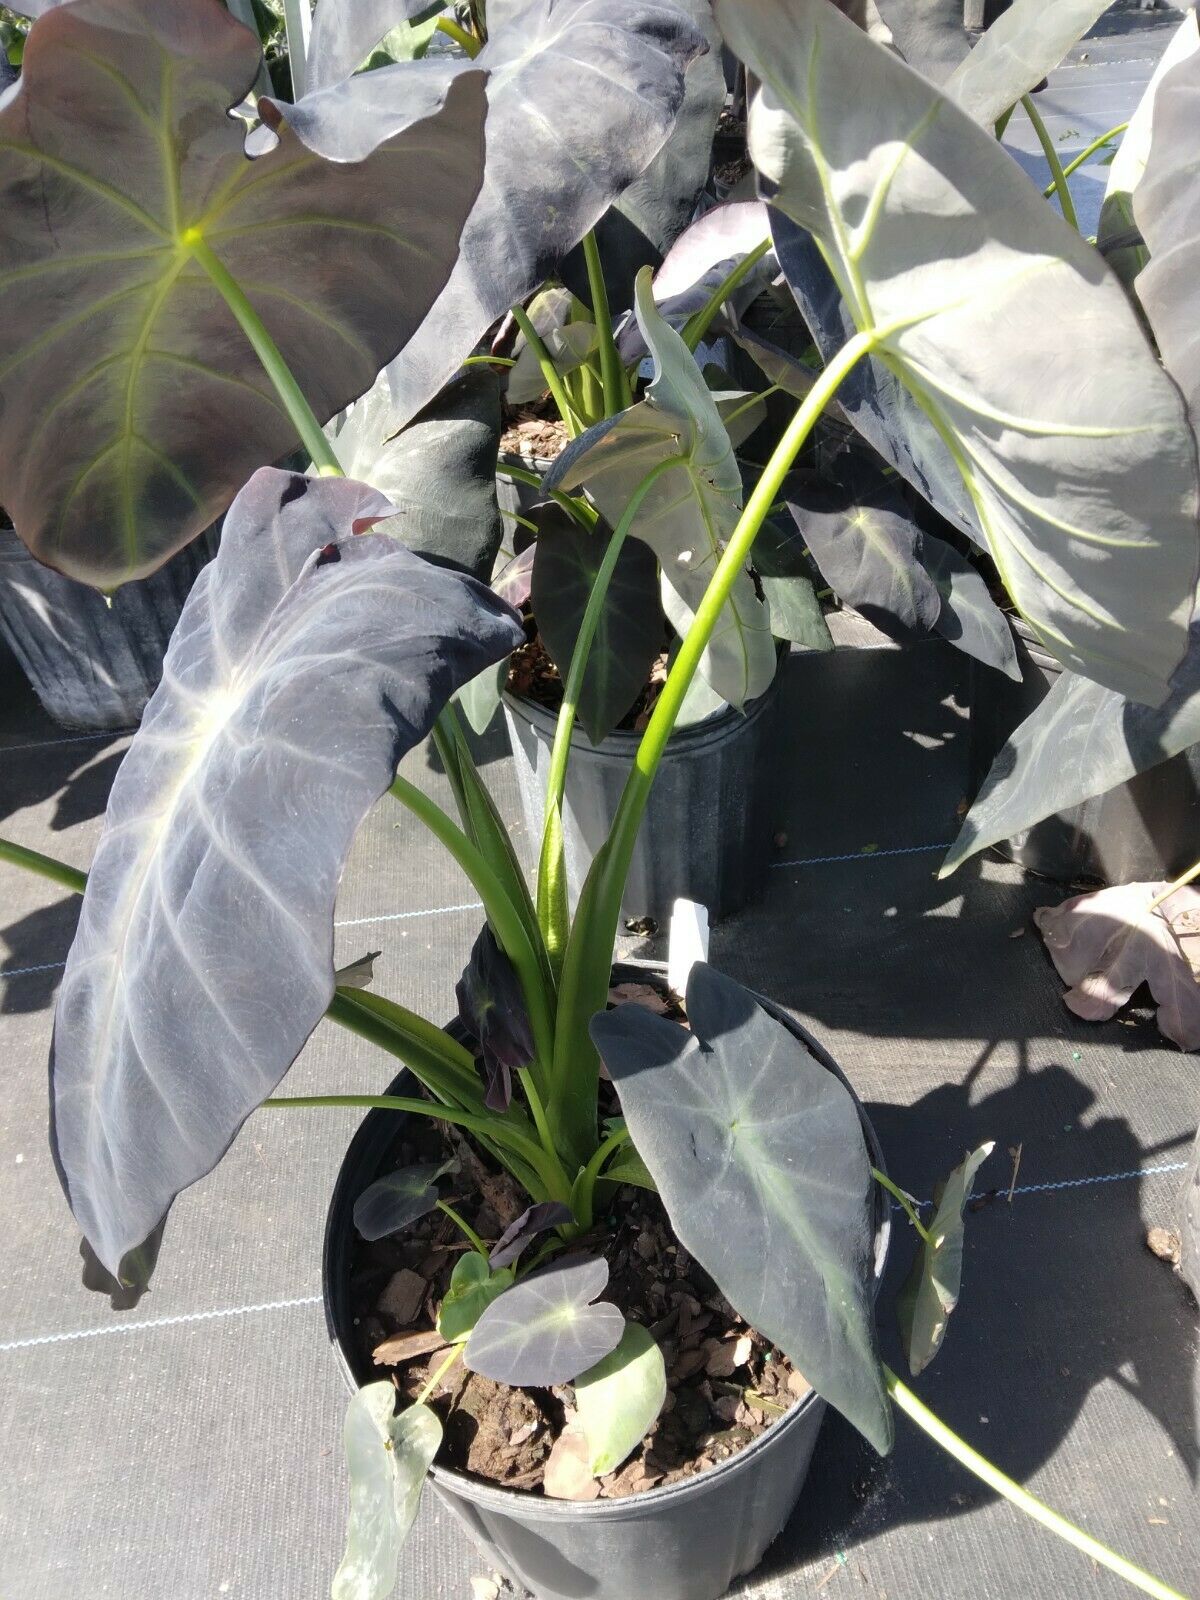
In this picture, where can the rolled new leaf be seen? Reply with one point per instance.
(1005, 331)
(930, 1292)
(758, 1153)
(132, 405)
(522, 1232)
(491, 1007)
(306, 662)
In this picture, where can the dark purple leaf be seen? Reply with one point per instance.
(204, 956)
(510, 1244)
(545, 1329)
(132, 405)
(491, 1008)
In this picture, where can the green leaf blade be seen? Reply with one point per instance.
(619, 1398)
(931, 1290)
(388, 1458)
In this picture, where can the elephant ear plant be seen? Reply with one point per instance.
(317, 649)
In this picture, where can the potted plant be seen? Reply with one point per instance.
(317, 649)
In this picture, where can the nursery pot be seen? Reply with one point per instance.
(688, 1541)
(1137, 832)
(707, 832)
(91, 663)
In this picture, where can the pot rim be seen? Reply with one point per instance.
(522, 1504)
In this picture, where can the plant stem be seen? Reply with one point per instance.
(1003, 120)
(617, 397)
(748, 405)
(536, 1108)
(1086, 154)
(1058, 177)
(910, 1210)
(441, 1372)
(574, 505)
(1184, 878)
(469, 42)
(464, 1227)
(549, 371)
(560, 753)
(585, 1185)
(312, 436)
(962, 1452)
(699, 322)
(45, 866)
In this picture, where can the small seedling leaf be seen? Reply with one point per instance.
(619, 1398)
(930, 1291)
(388, 1458)
(397, 1199)
(473, 1287)
(546, 1329)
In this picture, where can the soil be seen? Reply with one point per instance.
(535, 433)
(726, 1384)
(731, 157)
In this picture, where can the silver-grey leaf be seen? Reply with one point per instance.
(969, 617)
(306, 662)
(548, 1328)
(1024, 44)
(388, 1458)
(930, 1293)
(345, 32)
(1004, 327)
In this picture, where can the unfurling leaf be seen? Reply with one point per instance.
(132, 405)
(388, 1458)
(690, 512)
(306, 662)
(979, 299)
(358, 974)
(491, 1007)
(535, 1220)
(546, 1330)
(473, 1287)
(393, 1201)
(930, 1292)
(1106, 944)
(759, 1156)
(619, 1399)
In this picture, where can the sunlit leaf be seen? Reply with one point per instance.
(980, 301)
(388, 1458)
(132, 405)
(307, 661)
(581, 98)
(759, 1156)
(689, 514)
(796, 613)
(619, 1399)
(398, 1198)
(546, 1329)
(358, 974)
(480, 699)
(930, 1292)
(568, 343)
(345, 33)
(631, 631)
(1021, 47)
(473, 1287)
(929, 34)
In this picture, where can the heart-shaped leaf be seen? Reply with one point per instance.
(864, 539)
(796, 613)
(388, 1458)
(439, 473)
(759, 1156)
(969, 617)
(473, 1286)
(546, 1330)
(345, 33)
(631, 631)
(518, 1234)
(1166, 205)
(1022, 46)
(690, 512)
(398, 1198)
(619, 1399)
(1106, 944)
(581, 98)
(1080, 741)
(491, 1007)
(930, 1292)
(307, 661)
(132, 405)
(1085, 488)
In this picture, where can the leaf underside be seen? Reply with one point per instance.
(306, 662)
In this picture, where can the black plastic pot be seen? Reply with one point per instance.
(93, 664)
(707, 831)
(1140, 831)
(686, 1542)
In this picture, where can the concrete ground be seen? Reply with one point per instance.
(191, 1448)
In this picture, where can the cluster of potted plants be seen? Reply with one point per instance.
(642, 1230)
